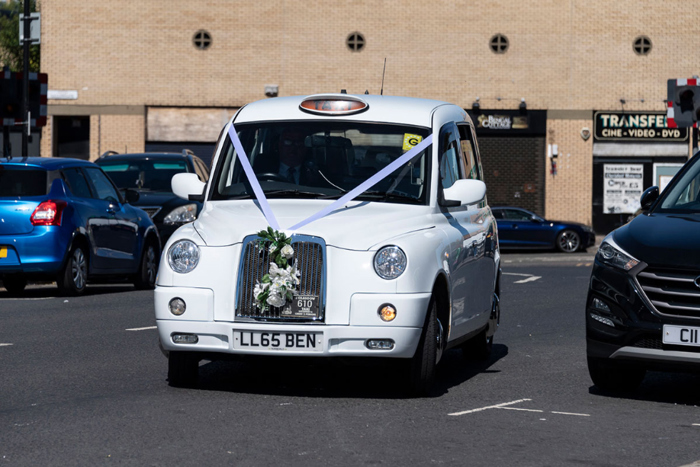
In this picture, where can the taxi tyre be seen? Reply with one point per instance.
(574, 238)
(14, 284)
(614, 376)
(423, 363)
(66, 281)
(183, 369)
(146, 276)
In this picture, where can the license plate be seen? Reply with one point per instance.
(301, 306)
(681, 335)
(3, 252)
(257, 340)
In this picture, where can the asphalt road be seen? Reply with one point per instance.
(84, 383)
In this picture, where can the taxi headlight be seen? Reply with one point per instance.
(390, 262)
(612, 255)
(183, 256)
(181, 215)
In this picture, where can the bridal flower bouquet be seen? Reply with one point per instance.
(281, 282)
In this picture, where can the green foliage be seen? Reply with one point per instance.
(11, 51)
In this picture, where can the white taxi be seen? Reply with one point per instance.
(334, 225)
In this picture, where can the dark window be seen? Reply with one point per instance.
(471, 167)
(451, 164)
(356, 42)
(642, 45)
(152, 175)
(499, 44)
(517, 215)
(101, 185)
(76, 183)
(497, 213)
(202, 39)
(21, 181)
(72, 137)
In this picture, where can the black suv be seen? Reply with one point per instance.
(643, 308)
(150, 175)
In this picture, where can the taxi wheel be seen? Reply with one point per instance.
(183, 369)
(72, 280)
(423, 363)
(612, 376)
(146, 277)
(568, 241)
(14, 284)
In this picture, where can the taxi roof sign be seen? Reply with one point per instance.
(333, 105)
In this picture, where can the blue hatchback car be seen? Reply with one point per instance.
(519, 228)
(64, 220)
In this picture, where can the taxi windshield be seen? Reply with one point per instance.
(322, 159)
(684, 196)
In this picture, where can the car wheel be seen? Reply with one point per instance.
(423, 363)
(568, 241)
(73, 278)
(480, 346)
(146, 277)
(14, 284)
(613, 376)
(183, 369)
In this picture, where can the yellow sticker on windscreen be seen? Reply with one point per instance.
(409, 141)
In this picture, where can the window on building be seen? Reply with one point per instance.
(642, 45)
(499, 44)
(355, 42)
(71, 137)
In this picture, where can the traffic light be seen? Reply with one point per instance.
(683, 103)
(12, 94)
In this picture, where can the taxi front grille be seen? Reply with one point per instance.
(309, 258)
(672, 292)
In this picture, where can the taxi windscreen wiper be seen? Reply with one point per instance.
(291, 193)
(383, 196)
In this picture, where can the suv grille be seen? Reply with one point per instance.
(310, 260)
(671, 291)
(151, 210)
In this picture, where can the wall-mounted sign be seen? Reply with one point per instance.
(635, 126)
(622, 188)
(493, 122)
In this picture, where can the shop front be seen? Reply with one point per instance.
(513, 149)
(631, 152)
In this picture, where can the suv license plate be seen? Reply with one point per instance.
(681, 335)
(256, 340)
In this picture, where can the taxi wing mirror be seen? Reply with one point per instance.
(188, 186)
(464, 192)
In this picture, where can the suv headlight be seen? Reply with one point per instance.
(390, 262)
(183, 256)
(611, 254)
(181, 215)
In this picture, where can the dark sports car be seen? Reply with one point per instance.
(519, 228)
(150, 175)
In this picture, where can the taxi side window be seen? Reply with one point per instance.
(76, 183)
(451, 164)
(466, 142)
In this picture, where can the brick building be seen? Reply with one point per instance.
(134, 76)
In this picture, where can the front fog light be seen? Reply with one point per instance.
(387, 312)
(177, 306)
(600, 305)
(379, 344)
(602, 319)
(185, 338)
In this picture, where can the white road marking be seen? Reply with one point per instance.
(142, 329)
(696, 424)
(517, 408)
(28, 299)
(516, 274)
(5, 345)
(529, 279)
(575, 414)
(489, 407)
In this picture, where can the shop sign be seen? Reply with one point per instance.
(635, 126)
(622, 188)
(511, 122)
(501, 122)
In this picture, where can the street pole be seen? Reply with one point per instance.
(25, 79)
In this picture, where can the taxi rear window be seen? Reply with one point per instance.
(22, 181)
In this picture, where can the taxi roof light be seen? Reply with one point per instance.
(333, 104)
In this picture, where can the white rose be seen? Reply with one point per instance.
(276, 299)
(287, 251)
(274, 270)
(260, 288)
(272, 248)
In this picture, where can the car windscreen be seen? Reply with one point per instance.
(22, 181)
(323, 159)
(146, 175)
(683, 197)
